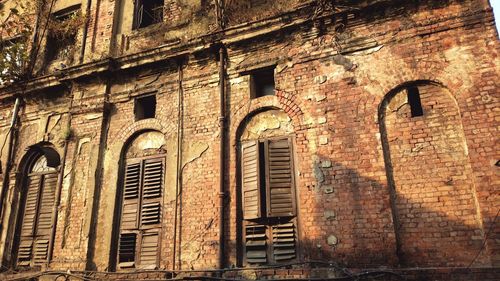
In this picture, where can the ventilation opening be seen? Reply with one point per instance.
(148, 12)
(262, 83)
(414, 101)
(145, 107)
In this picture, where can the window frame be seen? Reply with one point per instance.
(138, 16)
(264, 218)
(140, 230)
(42, 186)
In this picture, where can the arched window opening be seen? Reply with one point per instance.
(141, 202)
(36, 212)
(268, 190)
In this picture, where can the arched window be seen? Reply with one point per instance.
(36, 212)
(141, 202)
(268, 189)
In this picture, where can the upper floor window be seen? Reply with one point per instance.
(145, 107)
(262, 83)
(147, 12)
(36, 213)
(62, 34)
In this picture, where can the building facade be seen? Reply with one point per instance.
(254, 140)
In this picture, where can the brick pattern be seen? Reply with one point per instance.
(443, 163)
(435, 204)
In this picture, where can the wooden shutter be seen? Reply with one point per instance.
(280, 185)
(44, 224)
(36, 227)
(256, 243)
(131, 187)
(129, 215)
(40, 250)
(141, 214)
(284, 248)
(151, 191)
(250, 175)
(149, 250)
(28, 225)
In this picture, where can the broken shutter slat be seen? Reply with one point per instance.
(251, 180)
(280, 185)
(149, 250)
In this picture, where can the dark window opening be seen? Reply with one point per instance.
(61, 37)
(262, 83)
(414, 101)
(145, 107)
(148, 12)
(127, 249)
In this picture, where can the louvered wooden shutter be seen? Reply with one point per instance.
(129, 215)
(28, 226)
(151, 192)
(36, 227)
(280, 185)
(141, 213)
(250, 175)
(149, 250)
(256, 243)
(44, 224)
(284, 248)
(131, 189)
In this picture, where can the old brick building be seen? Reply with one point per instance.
(255, 140)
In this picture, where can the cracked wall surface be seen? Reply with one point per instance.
(375, 186)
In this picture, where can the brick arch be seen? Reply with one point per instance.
(405, 78)
(395, 89)
(281, 101)
(429, 176)
(129, 131)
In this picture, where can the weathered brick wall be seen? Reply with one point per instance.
(332, 78)
(436, 209)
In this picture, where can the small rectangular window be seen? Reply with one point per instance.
(262, 83)
(414, 101)
(148, 12)
(145, 107)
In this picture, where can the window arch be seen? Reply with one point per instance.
(36, 212)
(268, 200)
(140, 201)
